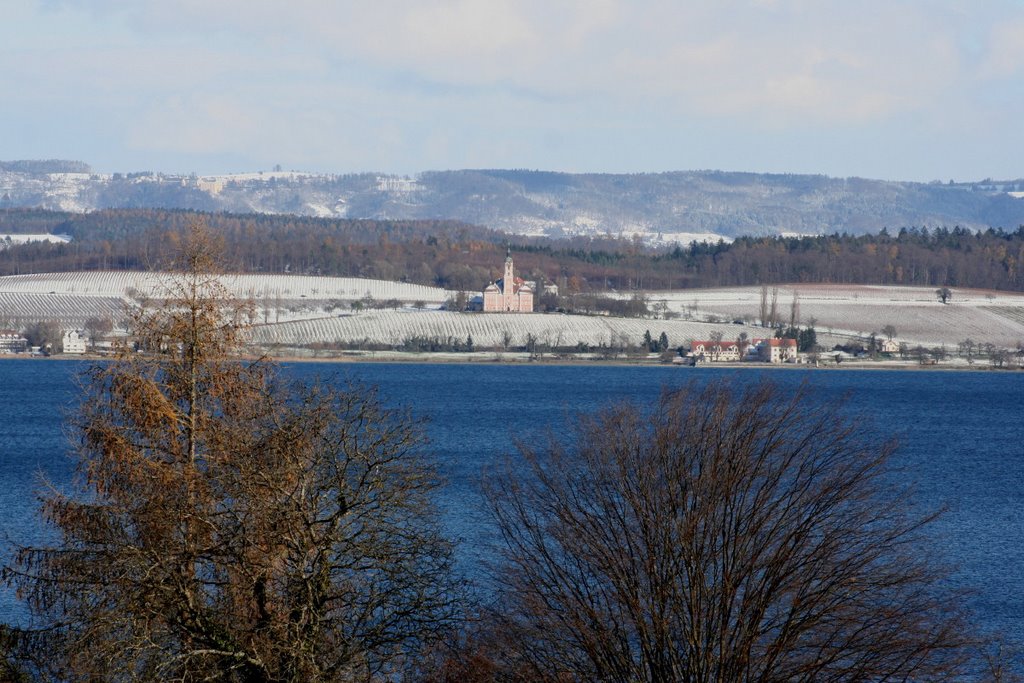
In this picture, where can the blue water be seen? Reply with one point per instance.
(961, 436)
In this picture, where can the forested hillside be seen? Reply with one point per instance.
(457, 255)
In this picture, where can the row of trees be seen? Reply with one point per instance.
(464, 257)
(230, 527)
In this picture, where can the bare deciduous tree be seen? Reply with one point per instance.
(46, 334)
(773, 312)
(716, 337)
(98, 327)
(725, 535)
(763, 309)
(227, 527)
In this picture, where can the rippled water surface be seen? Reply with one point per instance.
(961, 435)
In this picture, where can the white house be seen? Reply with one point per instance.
(888, 346)
(74, 342)
(777, 350)
(12, 342)
(716, 352)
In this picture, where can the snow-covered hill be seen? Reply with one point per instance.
(488, 330)
(124, 283)
(72, 298)
(839, 311)
(658, 207)
(298, 310)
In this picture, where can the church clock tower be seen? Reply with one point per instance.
(509, 285)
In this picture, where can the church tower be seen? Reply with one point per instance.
(509, 302)
(505, 296)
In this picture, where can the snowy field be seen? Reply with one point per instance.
(18, 310)
(839, 311)
(72, 298)
(25, 238)
(487, 329)
(122, 283)
(297, 310)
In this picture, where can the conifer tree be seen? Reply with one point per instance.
(226, 527)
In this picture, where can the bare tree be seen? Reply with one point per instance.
(227, 527)
(889, 331)
(794, 310)
(716, 343)
(98, 327)
(763, 310)
(742, 344)
(944, 294)
(724, 535)
(46, 334)
(966, 349)
(773, 311)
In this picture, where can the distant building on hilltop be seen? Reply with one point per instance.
(509, 294)
(396, 185)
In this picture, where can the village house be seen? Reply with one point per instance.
(74, 342)
(509, 294)
(776, 350)
(763, 350)
(888, 346)
(12, 342)
(715, 352)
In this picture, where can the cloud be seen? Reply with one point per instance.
(433, 77)
(826, 61)
(1005, 58)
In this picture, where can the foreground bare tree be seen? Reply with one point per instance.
(228, 528)
(724, 535)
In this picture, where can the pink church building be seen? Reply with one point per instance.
(510, 294)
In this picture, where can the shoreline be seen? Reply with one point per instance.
(521, 359)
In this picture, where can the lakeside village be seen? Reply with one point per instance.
(76, 342)
(509, 294)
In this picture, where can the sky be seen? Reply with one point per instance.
(889, 89)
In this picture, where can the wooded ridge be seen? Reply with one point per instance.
(461, 256)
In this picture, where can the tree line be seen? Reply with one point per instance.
(460, 256)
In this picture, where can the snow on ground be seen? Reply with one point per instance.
(26, 238)
(304, 309)
(18, 310)
(72, 298)
(985, 316)
(287, 287)
(488, 329)
(685, 238)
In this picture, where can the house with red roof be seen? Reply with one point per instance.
(776, 350)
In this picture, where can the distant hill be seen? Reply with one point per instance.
(678, 206)
(36, 166)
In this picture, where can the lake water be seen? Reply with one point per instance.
(961, 435)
